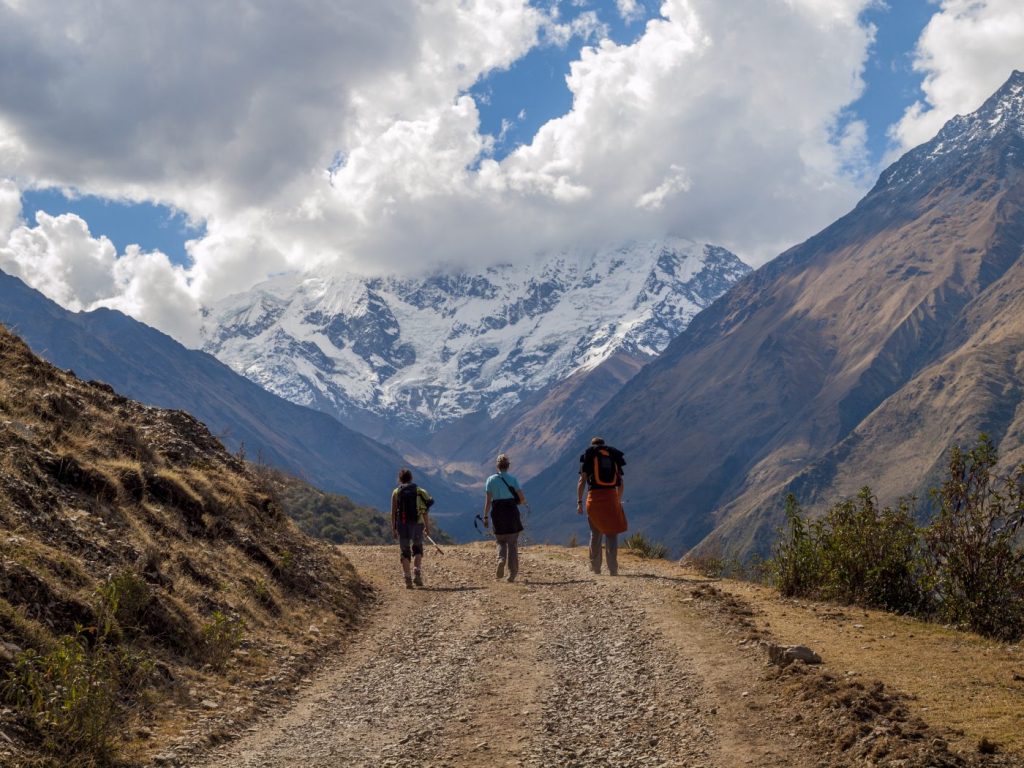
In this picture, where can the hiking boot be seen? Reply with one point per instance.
(408, 582)
(418, 579)
(501, 569)
(511, 579)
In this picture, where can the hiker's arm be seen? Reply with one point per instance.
(428, 502)
(579, 493)
(487, 507)
(394, 515)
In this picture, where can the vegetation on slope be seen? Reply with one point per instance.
(145, 573)
(965, 568)
(324, 515)
(330, 516)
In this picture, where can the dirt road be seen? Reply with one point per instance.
(562, 668)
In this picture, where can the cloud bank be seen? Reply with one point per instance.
(342, 134)
(966, 52)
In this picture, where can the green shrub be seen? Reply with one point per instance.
(77, 693)
(856, 553)
(797, 566)
(71, 694)
(122, 601)
(965, 568)
(222, 634)
(977, 566)
(871, 556)
(639, 545)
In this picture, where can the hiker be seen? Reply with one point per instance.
(601, 470)
(410, 521)
(503, 497)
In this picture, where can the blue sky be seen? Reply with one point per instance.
(533, 91)
(398, 135)
(515, 102)
(153, 227)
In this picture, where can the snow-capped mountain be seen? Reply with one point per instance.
(1000, 118)
(430, 350)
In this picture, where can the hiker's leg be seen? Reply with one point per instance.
(417, 552)
(513, 556)
(502, 540)
(405, 545)
(611, 542)
(595, 549)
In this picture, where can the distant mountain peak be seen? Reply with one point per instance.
(430, 350)
(955, 148)
(1003, 110)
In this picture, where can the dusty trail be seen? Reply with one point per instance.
(565, 668)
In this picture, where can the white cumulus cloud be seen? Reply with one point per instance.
(342, 132)
(968, 50)
(61, 259)
(10, 208)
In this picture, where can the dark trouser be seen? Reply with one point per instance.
(410, 541)
(508, 553)
(611, 541)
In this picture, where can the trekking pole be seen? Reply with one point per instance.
(434, 543)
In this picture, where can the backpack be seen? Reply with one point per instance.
(603, 466)
(408, 509)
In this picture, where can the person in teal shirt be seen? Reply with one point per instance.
(503, 497)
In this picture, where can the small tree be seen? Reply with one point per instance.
(796, 564)
(977, 563)
(872, 556)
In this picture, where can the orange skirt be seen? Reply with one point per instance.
(604, 509)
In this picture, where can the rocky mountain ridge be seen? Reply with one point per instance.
(424, 352)
(856, 357)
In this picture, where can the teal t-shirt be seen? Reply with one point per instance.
(497, 488)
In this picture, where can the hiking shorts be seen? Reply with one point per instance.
(410, 540)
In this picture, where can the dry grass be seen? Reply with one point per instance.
(956, 680)
(95, 488)
(970, 687)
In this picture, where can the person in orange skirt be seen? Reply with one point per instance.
(601, 472)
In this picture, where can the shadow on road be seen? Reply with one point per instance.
(448, 589)
(533, 583)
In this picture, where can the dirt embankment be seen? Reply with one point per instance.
(653, 668)
(149, 582)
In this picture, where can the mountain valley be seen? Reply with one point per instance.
(858, 357)
(452, 368)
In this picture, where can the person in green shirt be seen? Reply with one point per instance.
(410, 522)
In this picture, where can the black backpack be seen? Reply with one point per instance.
(408, 509)
(602, 465)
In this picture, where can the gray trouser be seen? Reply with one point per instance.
(508, 552)
(611, 543)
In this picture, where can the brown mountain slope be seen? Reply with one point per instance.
(856, 357)
(539, 428)
(135, 548)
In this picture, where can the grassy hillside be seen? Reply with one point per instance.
(324, 515)
(147, 577)
(330, 516)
